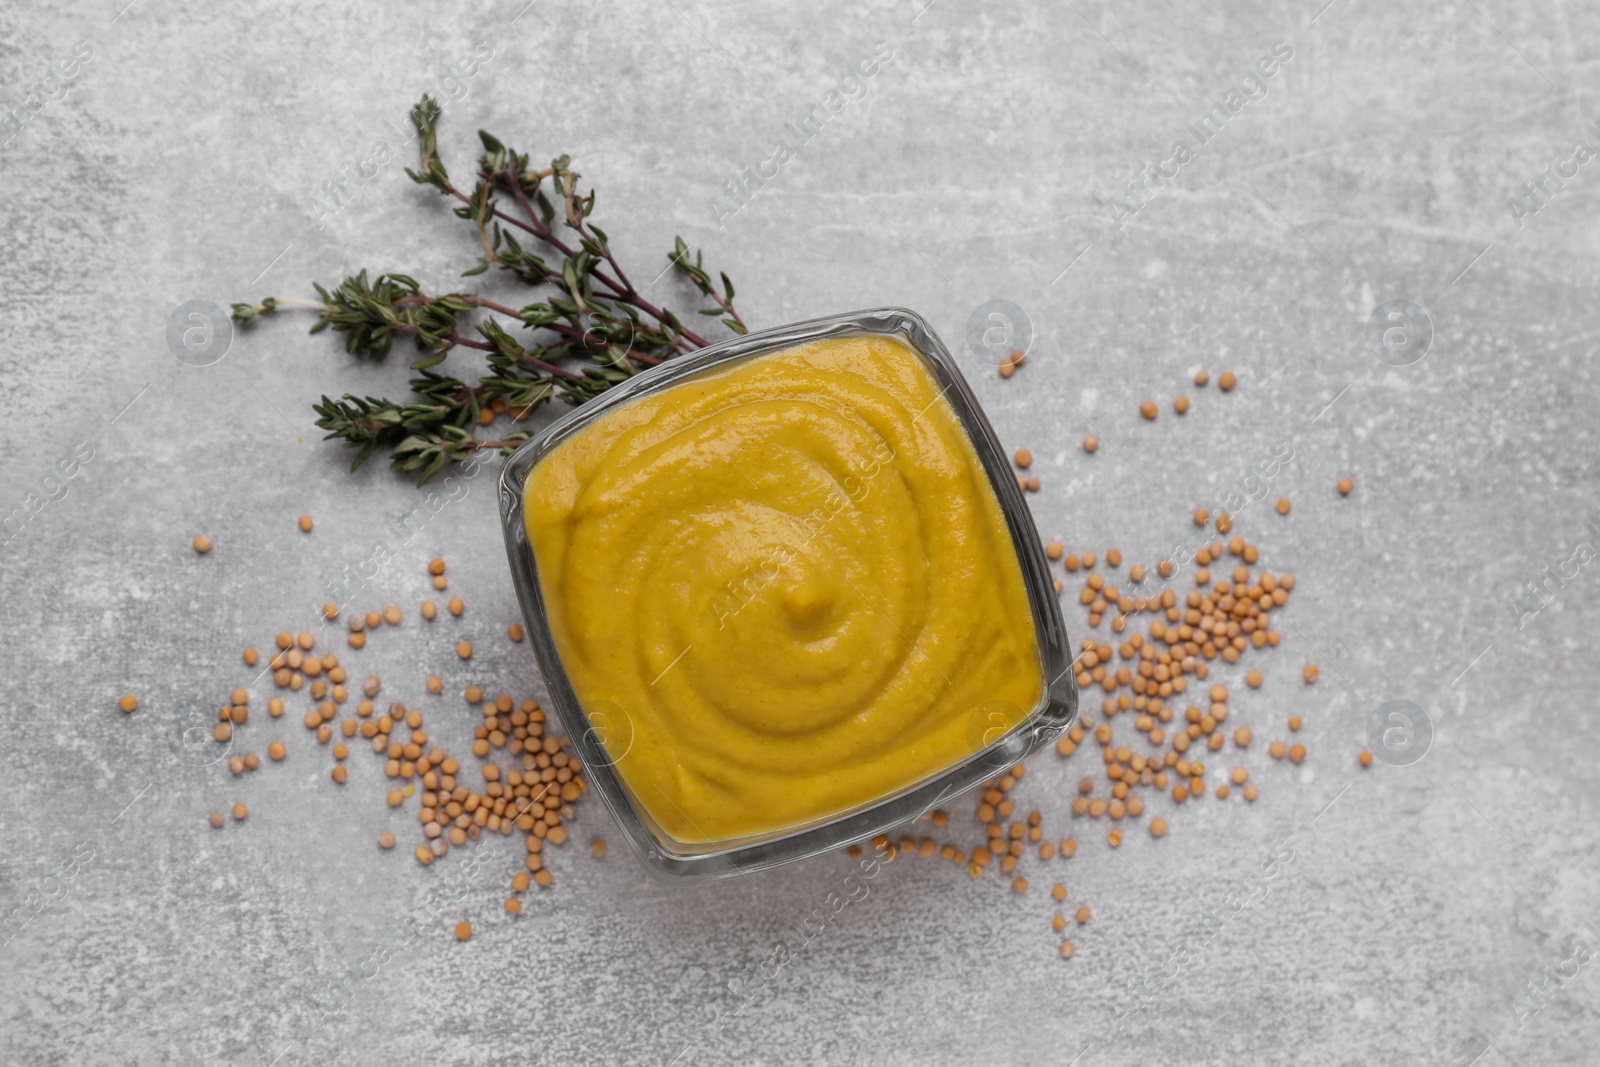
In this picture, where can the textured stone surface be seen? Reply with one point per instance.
(1419, 902)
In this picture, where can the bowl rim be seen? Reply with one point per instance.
(587, 731)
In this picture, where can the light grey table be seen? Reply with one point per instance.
(189, 157)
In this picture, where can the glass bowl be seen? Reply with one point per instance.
(588, 729)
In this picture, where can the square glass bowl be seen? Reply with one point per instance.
(588, 729)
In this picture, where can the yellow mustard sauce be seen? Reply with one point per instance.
(790, 585)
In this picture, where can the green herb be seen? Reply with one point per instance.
(592, 328)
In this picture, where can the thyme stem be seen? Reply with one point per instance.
(586, 328)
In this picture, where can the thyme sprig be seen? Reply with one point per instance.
(590, 329)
